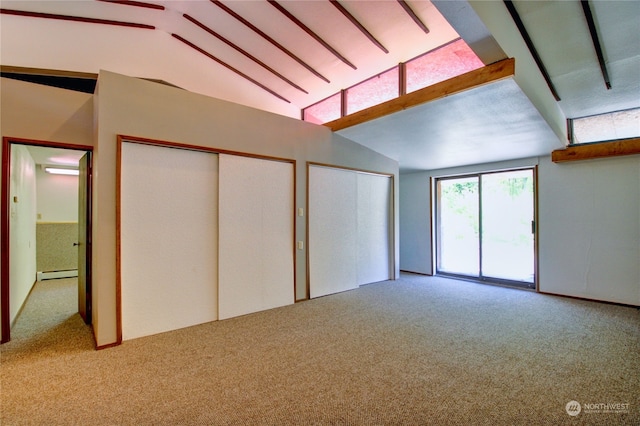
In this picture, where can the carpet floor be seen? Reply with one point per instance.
(415, 351)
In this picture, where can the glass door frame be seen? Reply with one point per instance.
(436, 239)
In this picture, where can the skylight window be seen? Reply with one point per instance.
(606, 127)
(324, 111)
(374, 91)
(441, 64)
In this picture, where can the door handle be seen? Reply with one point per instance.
(76, 244)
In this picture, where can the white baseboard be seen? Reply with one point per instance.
(49, 275)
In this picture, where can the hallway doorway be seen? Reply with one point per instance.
(46, 225)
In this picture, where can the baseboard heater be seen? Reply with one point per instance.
(51, 275)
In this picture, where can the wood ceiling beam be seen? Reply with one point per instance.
(413, 16)
(592, 151)
(229, 67)
(308, 30)
(532, 49)
(136, 4)
(75, 19)
(596, 42)
(241, 51)
(269, 39)
(472, 79)
(358, 25)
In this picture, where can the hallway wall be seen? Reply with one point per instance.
(22, 232)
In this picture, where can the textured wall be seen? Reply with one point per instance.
(54, 246)
(57, 197)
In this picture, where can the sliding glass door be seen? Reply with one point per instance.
(458, 219)
(485, 227)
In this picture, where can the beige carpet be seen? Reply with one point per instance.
(415, 351)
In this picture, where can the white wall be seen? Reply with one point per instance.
(589, 228)
(588, 225)
(56, 197)
(22, 229)
(415, 225)
(134, 107)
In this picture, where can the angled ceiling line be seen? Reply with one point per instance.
(358, 25)
(47, 72)
(309, 32)
(532, 49)
(413, 16)
(242, 51)
(135, 3)
(596, 42)
(75, 19)
(229, 67)
(269, 39)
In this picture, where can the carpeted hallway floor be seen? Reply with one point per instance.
(416, 351)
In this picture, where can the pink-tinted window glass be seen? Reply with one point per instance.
(373, 91)
(441, 64)
(323, 111)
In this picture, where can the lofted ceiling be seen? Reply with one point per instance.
(283, 56)
(279, 56)
(560, 33)
(508, 120)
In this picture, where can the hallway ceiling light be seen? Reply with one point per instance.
(59, 171)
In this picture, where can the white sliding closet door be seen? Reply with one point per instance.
(169, 223)
(374, 228)
(256, 235)
(349, 229)
(333, 238)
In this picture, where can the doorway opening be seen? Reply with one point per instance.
(53, 209)
(485, 227)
